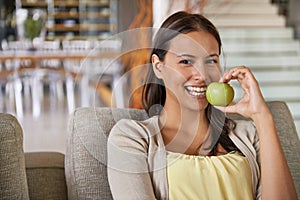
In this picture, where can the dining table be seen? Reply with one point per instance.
(38, 55)
(34, 58)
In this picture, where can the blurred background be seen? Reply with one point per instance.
(57, 55)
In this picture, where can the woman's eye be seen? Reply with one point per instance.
(211, 61)
(186, 62)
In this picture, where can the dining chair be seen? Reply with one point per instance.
(16, 85)
(97, 66)
(48, 73)
(104, 71)
(74, 75)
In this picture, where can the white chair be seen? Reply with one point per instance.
(15, 82)
(74, 72)
(24, 88)
(100, 65)
(106, 68)
(47, 73)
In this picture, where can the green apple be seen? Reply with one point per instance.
(219, 94)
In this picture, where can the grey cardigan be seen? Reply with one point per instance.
(137, 158)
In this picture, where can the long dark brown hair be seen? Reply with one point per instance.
(154, 91)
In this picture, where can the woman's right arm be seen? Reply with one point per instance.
(276, 179)
(127, 166)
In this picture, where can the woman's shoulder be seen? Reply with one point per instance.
(245, 128)
(240, 123)
(131, 127)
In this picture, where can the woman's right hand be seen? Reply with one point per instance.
(252, 103)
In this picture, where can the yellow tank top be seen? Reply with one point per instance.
(202, 177)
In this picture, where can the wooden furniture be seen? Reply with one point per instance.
(75, 19)
(90, 63)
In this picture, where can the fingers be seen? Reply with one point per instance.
(252, 97)
(239, 73)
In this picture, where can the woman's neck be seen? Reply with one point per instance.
(183, 130)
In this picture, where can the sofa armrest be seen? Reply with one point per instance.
(46, 175)
(13, 183)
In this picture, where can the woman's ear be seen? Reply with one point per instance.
(157, 66)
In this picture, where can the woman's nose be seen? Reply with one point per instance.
(198, 74)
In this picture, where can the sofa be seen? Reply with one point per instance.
(34, 175)
(86, 158)
(82, 173)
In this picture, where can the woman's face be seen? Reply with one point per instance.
(191, 63)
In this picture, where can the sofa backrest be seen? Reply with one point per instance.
(13, 182)
(86, 155)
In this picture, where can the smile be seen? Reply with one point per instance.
(196, 91)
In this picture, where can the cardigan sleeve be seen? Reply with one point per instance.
(128, 171)
(257, 150)
(246, 139)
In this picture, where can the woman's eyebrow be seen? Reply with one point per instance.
(192, 56)
(186, 55)
(212, 55)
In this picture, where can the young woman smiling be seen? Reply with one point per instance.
(189, 149)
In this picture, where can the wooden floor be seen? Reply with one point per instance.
(48, 132)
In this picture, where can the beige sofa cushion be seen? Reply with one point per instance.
(46, 175)
(13, 183)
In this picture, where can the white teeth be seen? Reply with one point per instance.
(195, 93)
(196, 89)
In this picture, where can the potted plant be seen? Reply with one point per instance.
(33, 25)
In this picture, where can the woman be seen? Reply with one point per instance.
(189, 149)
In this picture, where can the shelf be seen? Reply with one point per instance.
(64, 15)
(40, 3)
(79, 27)
(96, 3)
(34, 4)
(95, 15)
(76, 15)
(76, 18)
(86, 37)
(66, 3)
(63, 27)
(95, 27)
